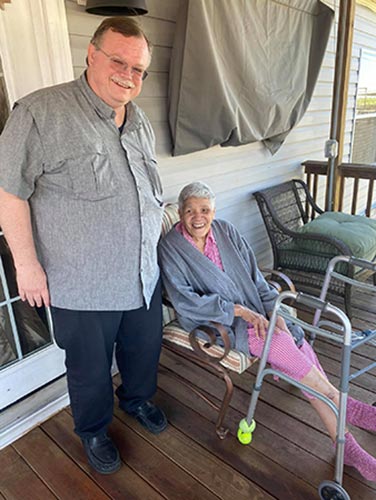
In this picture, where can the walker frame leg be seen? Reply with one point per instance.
(328, 490)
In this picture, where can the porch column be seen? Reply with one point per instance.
(340, 95)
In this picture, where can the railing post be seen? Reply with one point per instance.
(369, 198)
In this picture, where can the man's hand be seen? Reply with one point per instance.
(15, 222)
(258, 321)
(32, 285)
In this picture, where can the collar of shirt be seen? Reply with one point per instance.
(133, 116)
(209, 243)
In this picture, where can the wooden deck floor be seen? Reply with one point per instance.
(289, 456)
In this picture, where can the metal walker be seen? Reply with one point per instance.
(342, 335)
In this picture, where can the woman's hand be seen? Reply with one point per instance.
(281, 324)
(258, 321)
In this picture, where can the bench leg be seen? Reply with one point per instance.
(219, 429)
(222, 410)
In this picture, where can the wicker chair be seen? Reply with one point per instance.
(304, 257)
(220, 359)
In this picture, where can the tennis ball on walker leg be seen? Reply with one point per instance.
(245, 431)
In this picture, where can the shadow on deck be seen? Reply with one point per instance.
(289, 456)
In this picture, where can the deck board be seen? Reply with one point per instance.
(311, 435)
(160, 471)
(55, 468)
(17, 478)
(197, 461)
(128, 484)
(289, 456)
(256, 467)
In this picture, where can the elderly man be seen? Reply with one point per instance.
(81, 210)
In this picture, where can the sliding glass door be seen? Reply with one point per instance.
(29, 357)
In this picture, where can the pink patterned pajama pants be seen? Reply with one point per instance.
(285, 356)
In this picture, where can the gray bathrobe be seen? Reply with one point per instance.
(200, 292)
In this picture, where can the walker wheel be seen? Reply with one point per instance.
(329, 490)
(245, 431)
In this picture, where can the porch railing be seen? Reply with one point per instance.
(347, 171)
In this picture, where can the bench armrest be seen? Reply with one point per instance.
(212, 331)
(287, 282)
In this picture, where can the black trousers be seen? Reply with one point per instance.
(88, 338)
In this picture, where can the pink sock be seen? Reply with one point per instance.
(361, 414)
(356, 457)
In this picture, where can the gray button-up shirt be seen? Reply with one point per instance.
(95, 195)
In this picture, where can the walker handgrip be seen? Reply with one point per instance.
(365, 264)
(313, 302)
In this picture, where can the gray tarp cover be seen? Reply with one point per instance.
(243, 70)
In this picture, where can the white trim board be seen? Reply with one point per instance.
(23, 377)
(21, 417)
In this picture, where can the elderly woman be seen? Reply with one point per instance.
(210, 274)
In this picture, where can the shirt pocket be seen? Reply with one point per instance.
(92, 177)
(155, 181)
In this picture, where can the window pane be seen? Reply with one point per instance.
(10, 272)
(7, 346)
(32, 330)
(364, 145)
(31, 322)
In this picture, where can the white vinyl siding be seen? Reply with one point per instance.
(235, 172)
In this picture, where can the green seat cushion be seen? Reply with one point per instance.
(356, 231)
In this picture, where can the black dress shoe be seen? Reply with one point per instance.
(102, 454)
(150, 416)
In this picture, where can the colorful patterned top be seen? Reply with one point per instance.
(211, 249)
